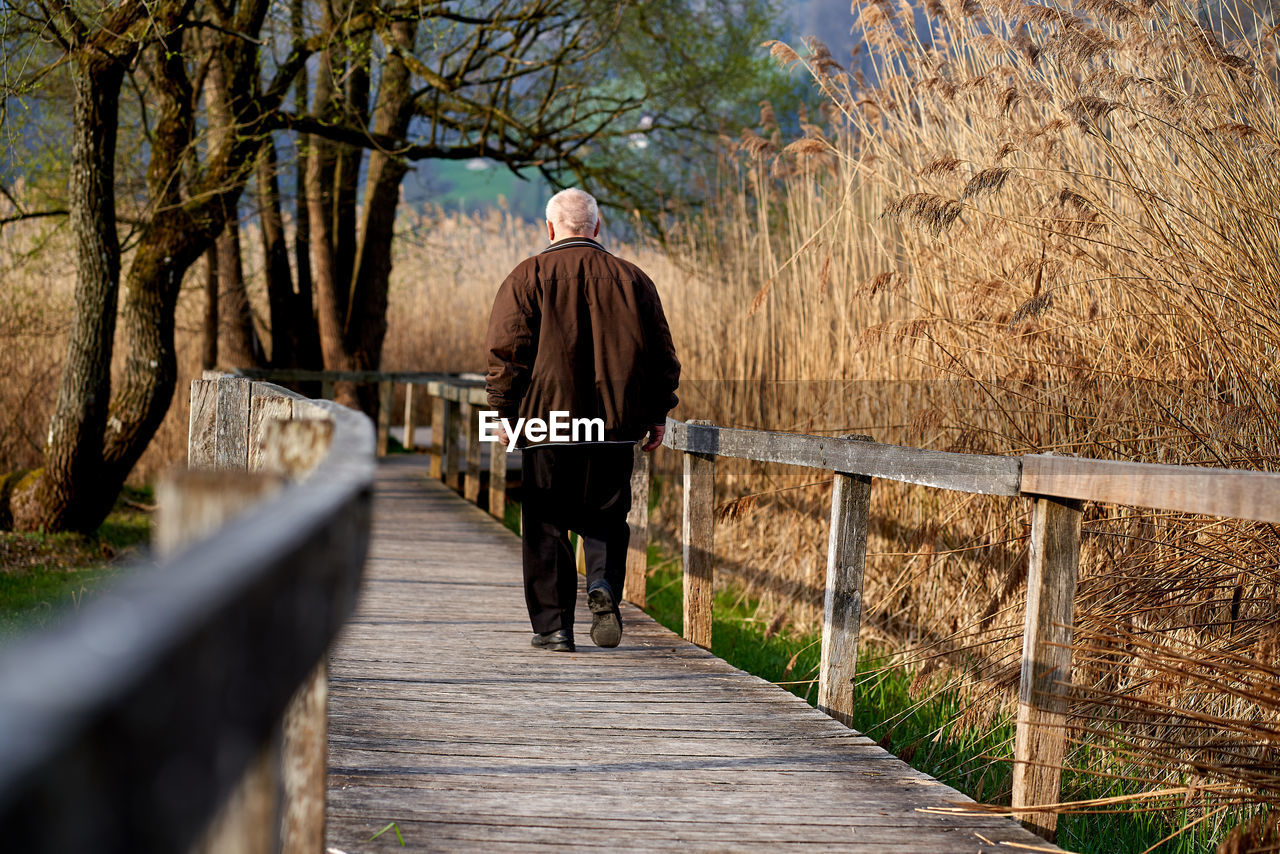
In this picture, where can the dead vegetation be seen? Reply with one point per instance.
(1070, 217)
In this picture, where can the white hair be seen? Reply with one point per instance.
(573, 212)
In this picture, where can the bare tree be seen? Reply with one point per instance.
(96, 436)
(527, 84)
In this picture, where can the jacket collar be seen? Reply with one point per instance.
(567, 242)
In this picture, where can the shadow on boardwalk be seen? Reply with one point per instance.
(444, 721)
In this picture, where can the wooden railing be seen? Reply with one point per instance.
(1056, 486)
(184, 708)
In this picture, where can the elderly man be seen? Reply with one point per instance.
(577, 330)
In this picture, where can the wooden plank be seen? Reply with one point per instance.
(842, 608)
(203, 424)
(447, 722)
(1231, 493)
(304, 759)
(978, 473)
(699, 548)
(498, 480)
(294, 448)
(633, 589)
(386, 394)
(453, 392)
(266, 404)
(194, 506)
(470, 414)
(186, 668)
(231, 435)
(248, 821)
(408, 417)
(1040, 741)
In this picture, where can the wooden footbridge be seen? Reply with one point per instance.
(443, 720)
(331, 654)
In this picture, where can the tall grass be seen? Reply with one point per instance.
(1028, 229)
(446, 269)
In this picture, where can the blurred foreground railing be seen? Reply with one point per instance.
(184, 709)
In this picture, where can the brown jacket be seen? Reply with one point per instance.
(578, 330)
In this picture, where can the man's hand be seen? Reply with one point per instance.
(656, 432)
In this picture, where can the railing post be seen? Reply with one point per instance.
(498, 480)
(202, 424)
(450, 438)
(699, 552)
(1040, 744)
(439, 417)
(842, 608)
(471, 426)
(386, 394)
(266, 407)
(218, 433)
(292, 448)
(408, 417)
(633, 589)
(194, 504)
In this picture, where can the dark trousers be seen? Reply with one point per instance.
(581, 488)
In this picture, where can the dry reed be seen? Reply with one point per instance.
(1042, 229)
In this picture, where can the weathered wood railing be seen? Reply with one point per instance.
(1056, 487)
(184, 709)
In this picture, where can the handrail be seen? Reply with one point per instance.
(1229, 493)
(359, 377)
(978, 473)
(1055, 485)
(125, 728)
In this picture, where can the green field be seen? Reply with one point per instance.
(44, 576)
(453, 186)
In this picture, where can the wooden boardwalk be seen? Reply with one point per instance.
(445, 721)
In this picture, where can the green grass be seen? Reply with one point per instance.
(456, 186)
(920, 726)
(44, 576)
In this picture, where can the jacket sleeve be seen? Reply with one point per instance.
(512, 343)
(663, 368)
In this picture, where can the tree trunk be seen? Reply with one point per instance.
(178, 233)
(275, 252)
(240, 346)
(73, 449)
(304, 317)
(92, 448)
(368, 305)
(331, 290)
